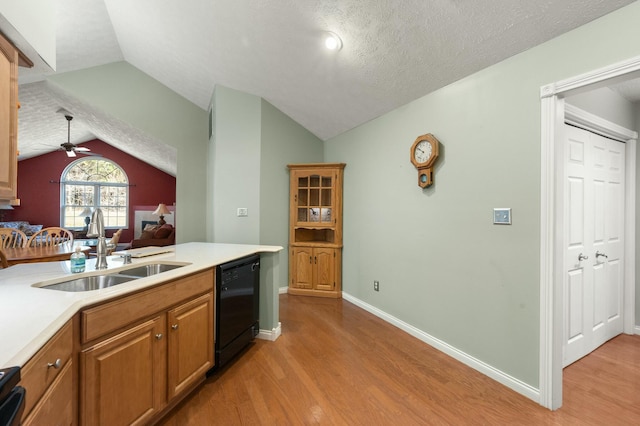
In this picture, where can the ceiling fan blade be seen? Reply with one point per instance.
(71, 153)
(81, 149)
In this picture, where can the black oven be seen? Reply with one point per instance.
(237, 306)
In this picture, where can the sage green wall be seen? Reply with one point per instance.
(283, 142)
(251, 145)
(443, 266)
(236, 166)
(33, 21)
(133, 97)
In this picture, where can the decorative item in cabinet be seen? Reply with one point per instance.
(315, 234)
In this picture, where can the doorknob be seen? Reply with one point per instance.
(598, 254)
(582, 257)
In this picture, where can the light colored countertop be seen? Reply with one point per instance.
(30, 316)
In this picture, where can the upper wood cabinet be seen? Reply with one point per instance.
(8, 120)
(315, 234)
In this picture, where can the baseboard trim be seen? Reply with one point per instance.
(484, 368)
(636, 329)
(270, 335)
(283, 290)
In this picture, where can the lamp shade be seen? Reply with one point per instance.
(6, 207)
(161, 210)
(86, 212)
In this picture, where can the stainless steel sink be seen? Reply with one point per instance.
(94, 282)
(148, 270)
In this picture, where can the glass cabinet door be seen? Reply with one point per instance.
(315, 199)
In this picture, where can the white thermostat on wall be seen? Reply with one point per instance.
(502, 216)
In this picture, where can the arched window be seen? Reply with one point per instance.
(90, 183)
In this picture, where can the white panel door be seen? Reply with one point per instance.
(593, 241)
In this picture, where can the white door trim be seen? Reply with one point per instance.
(551, 300)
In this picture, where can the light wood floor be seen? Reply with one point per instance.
(336, 364)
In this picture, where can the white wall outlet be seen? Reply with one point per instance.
(243, 212)
(502, 216)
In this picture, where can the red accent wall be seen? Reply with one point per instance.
(39, 187)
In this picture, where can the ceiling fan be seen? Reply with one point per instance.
(70, 148)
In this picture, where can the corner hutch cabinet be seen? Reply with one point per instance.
(9, 59)
(315, 234)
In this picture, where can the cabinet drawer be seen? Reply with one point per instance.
(111, 316)
(56, 406)
(40, 371)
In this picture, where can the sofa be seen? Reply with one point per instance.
(23, 226)
(155, 235)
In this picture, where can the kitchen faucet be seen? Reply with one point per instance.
(96, 229)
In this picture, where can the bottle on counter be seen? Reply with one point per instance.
(78, 260)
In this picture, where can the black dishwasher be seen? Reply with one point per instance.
(237, 306)
(11, 397)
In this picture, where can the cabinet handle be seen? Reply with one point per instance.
(158, 336)
(310, 260)
(174, 327)
(316, 259)
(56, 364)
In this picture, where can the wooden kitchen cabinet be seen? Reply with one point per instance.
(142, 352)
(9, 59)
(190, 325)
(315, 268)
(315, 229)
(57, 404)
(123, 377)
(48, 378)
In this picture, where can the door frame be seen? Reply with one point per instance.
(553, 110)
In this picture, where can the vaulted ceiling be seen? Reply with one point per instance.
(393, 53)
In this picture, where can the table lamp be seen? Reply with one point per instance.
(161, 211)
(86, 213)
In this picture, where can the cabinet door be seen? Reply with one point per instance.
(190, 343)
(124, 377)
(56, 405)
(313, 196)
(8, 119)
(324, 260)
(302, 267)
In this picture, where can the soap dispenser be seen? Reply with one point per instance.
(78, 260)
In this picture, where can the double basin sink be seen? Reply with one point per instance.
(96, 282)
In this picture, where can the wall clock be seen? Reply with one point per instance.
(424, 153)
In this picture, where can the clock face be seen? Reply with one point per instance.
(422, 152)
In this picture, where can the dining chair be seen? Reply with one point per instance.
(113, 243)
(52, 236)
(3, 260)
(12, 237)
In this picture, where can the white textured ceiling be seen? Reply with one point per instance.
(394, 52)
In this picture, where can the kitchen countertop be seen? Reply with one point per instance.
(30, 316)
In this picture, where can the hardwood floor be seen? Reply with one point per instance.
(336, 364)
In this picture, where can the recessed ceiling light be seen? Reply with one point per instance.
(332, 41)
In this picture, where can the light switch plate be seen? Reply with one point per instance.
(502, 216)
(243, 212)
